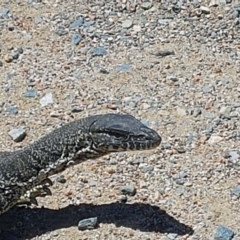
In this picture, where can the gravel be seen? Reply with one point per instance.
(172, 64)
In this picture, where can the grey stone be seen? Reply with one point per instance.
(104, 71)
(61, 31)
(31, 93)
(76, 109)
(77, 23)
(236, 191)
(225, 110)
(123, 198)
(76, 39)
(119, 170)
(5, 12)
(180, 181)
(164, 53)
(197, 112)
(172, 236)
(20, 50)
(15, 55)
(164, 21)
(99, 51)
(38, 20)
(146, 5)
(207, 89)
(215, 3)
(183, 174)
(128, 190)
(172, 78)
(89, 23)
(124, 68)
(180, 149)
(236, 14)
(17, 134)
(13, 110)
(166, 145)
(136, 161)
(89, 223)
(209, 129)
(147, 168)
(180, 191)
(223, 233)
(127, 23)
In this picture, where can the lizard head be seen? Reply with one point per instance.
(116, 132)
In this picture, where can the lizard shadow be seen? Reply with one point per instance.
(22, 223)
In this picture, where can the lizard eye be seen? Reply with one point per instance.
(118, 135)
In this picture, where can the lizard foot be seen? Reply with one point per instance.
(41, 190)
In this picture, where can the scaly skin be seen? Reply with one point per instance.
(87, 138)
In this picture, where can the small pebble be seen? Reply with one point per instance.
(61, 179)
(205, 10)
(128, 190)
(46, 100)
(31, 93)
(236, 191)
(8, 58)
(5, 12)
(214, 139)
(17, 134)
(181, 112)
(61, 31)
(89, 223)
(146, 5)
(233, 155)
(76, 109)
(77, 23)
(223, 233)
(104, 71)
(13, 110)
(99, 51)
(164, 53)
(76, 39)
(197, 112)
(123, 199)
(15, 55)
(124, 68)
(146, 168)
(127, 23)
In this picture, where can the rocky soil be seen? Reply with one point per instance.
(173, 64)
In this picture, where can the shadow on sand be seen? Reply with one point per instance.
(23, 223)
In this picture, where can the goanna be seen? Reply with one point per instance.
(87, 138)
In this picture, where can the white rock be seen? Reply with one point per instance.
(46, 100)
(137, 28)
(215, 3)
(181, 112)
(214, 139)
(205, 10)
